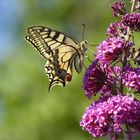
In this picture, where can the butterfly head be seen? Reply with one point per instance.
(84, 46)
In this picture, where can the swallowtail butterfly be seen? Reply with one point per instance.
(60, 51)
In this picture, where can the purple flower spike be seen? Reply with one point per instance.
(109, 115)
(132, 20)
(131, 78)
(118, 9)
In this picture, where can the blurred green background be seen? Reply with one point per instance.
(27, 110)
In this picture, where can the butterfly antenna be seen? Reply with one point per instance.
(83, 33)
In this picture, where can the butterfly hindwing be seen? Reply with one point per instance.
(55, 74)
(60, 51)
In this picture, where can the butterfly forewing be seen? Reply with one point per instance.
(60, 51)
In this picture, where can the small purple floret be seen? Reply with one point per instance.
(110, 49)
(132, 20)
(118, 9)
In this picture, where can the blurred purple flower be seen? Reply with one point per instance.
(132, 20)
(109, 115)
(117, 29)
(101, 79)
(131, 77)
(110, 49)
(118, 9)
(93, 80)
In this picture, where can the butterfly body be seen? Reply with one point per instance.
(60, 51)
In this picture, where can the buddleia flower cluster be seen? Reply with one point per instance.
(114, 77)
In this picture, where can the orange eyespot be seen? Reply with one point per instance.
(68, 77)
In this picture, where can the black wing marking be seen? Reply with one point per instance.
(55, 74)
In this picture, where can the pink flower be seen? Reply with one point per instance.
(111, 48)
(109, 115)
(117, 29)
(118, 9)
(132, 20)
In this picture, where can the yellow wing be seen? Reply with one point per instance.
(60, 51)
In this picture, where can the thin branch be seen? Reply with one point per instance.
(133, 5)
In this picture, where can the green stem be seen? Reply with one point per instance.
(133, 5)
(124, 58)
